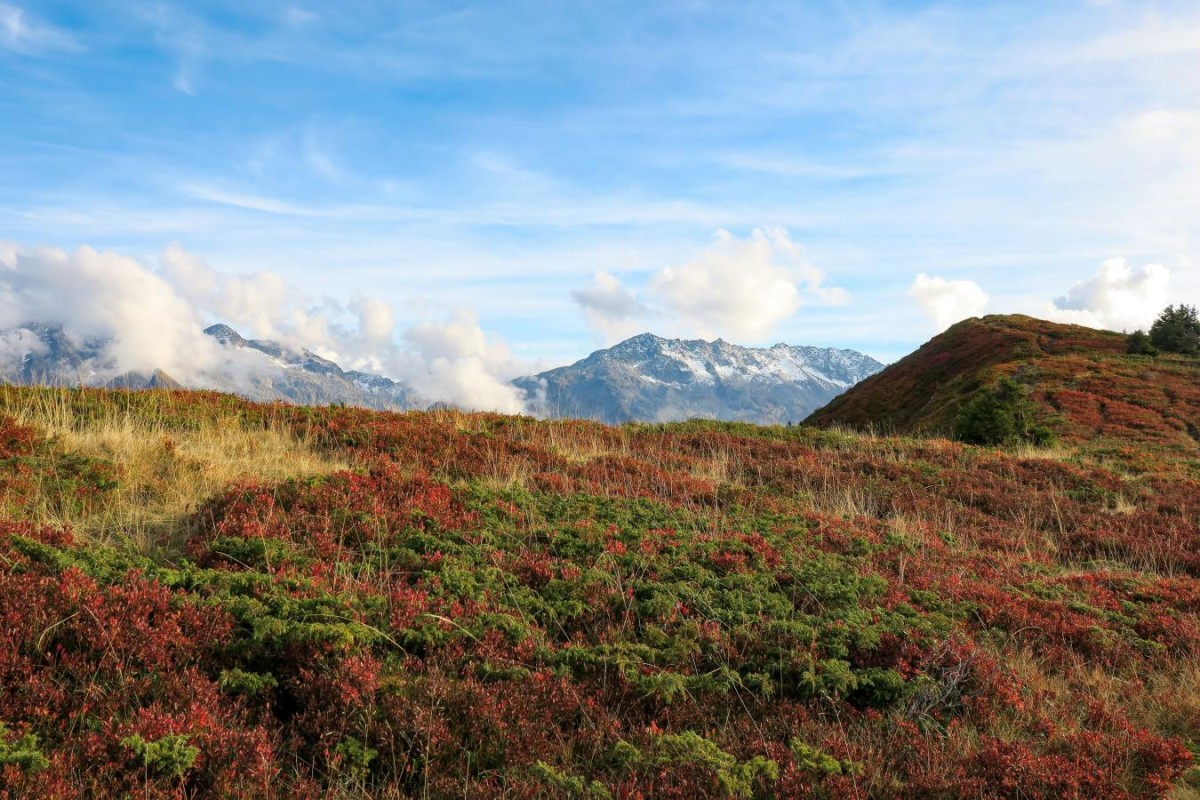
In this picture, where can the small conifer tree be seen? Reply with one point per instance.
(1001, 414)
(1177, 330)
(1139, 344)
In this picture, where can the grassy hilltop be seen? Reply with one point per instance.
(204, 597)
(1090, 390)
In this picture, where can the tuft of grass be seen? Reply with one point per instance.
(720, 466)
(579, 442)
(1051, 452)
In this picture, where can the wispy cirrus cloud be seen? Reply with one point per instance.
(25, 33)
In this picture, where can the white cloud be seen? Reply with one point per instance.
(947, 302)
(454, 361)
(100, 294)
(744, 287)
(740, 288)
(155, 320)
(610, 307)
(1156, 38)
(1166, 125)
(1117, 297)
(294, 15)
(23, 33)
(376, 319)
(735, 288)
(318, 159)
(260, 304)
(461, 365)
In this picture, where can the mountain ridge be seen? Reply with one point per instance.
(652, 378)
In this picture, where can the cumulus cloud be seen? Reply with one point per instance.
(739, 288)
(1117, 297)
(153, 318)
(95, 294)
(610, 307)
(260, 304)
(744, 287)
(462, 365)
(452, 362)
(947, 302)
(376, 320)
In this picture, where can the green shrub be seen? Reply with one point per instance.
(816, 760)
(356, 758)
(736, 778)
(572, 786)
(1001, 414)
(168, 757)
(1139, 344)
(23, 752)
(236, 681)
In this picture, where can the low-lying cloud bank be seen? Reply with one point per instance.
(153, 318)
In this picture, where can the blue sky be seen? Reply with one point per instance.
(553, 176)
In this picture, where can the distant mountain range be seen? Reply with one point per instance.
(644, 378)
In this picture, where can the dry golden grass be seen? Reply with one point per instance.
(1054, 452)
(164, 473)
(580, 442)
(503, 472)
(457, 419)
(1121, 505)
(720, 467)
(839, 495)
(1173, 705)
(1184, 790)
(1169, 704)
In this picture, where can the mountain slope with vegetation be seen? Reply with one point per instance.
(204, 597)
(1088, 388)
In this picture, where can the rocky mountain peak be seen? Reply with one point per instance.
(225, 335)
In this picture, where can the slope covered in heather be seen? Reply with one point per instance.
(1088, 387)
(202, 597)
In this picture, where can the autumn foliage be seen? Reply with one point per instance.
(1087, 388)
(491, 606)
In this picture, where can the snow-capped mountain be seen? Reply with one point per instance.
(254, 368)
(655, 379)
(271, 371)
(37, 353)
